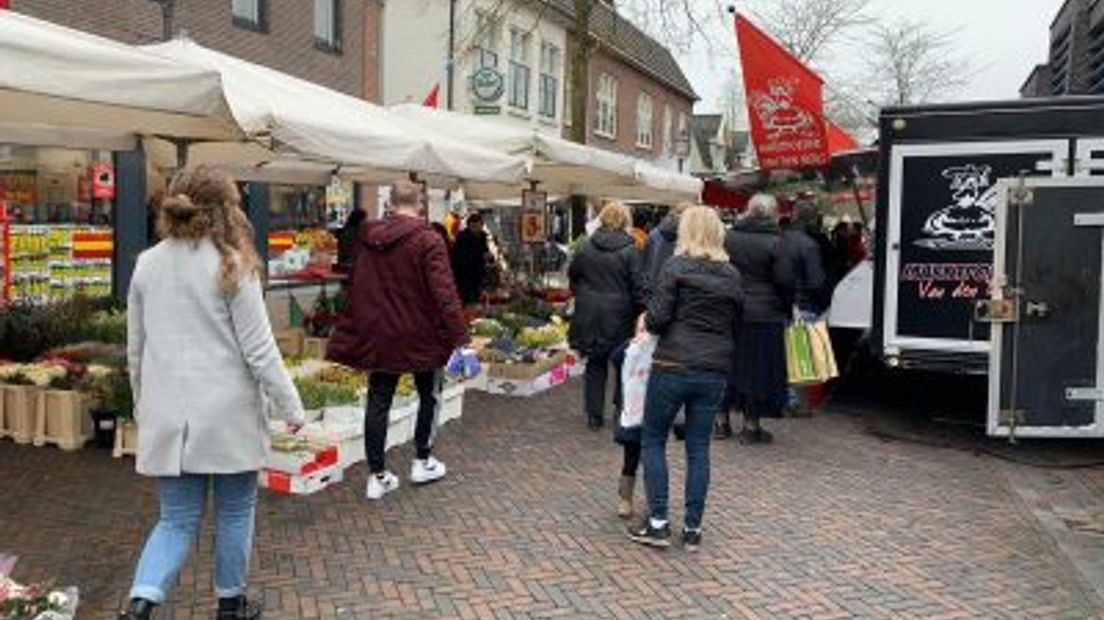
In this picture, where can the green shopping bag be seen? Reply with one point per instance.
(800, 367)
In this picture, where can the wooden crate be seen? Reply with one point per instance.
(63, 419)
(290, 341)
(315, 348)
(20, 411)
(126, 438)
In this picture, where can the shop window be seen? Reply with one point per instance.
(327, 25)
(605, 117)
(304, 221)
(520, 71)
(550, 61)
(250, 14)
(58, 206)
(668, 127)
(644, 124)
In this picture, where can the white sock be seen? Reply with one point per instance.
(658, 524)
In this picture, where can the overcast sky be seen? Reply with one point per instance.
(1004, 38)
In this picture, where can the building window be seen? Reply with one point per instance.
(569, 103)
(644, 125)
(327, 25)
(251, 14)
(682, 129)
(668, 127)
(519, 69)
(549, 79)
(486, 40)
(605, 117)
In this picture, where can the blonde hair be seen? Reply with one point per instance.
(204, 203)
(701, 235)
(615, 215)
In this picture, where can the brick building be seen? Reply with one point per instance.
(1076, 62)
(640, 100)
(330, 42)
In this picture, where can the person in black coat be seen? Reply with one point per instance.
(469, 260)
(610, 289)
(812, 291)
(661, 242)
(759, 382)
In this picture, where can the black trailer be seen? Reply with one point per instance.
(939, 168)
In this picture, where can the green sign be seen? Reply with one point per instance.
(488, 84)
(488, 110)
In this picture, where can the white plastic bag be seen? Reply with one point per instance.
(634, 380)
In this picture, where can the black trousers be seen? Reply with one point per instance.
(381, 394)
(597, 374)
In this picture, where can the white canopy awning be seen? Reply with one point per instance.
(559, 166)
(309, 131)
(64, 87)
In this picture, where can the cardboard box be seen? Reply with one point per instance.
(292, 484)
(557, 375)
(526, 372)
(302, 462)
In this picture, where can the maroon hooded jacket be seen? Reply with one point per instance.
(404, 313)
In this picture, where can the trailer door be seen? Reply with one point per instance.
(1046, 365)
(1090, 157)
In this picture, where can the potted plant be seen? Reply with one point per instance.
(20, 387)
(118, 402)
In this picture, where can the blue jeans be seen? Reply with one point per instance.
(183, 502)
(669, 390)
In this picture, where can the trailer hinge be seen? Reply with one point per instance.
(1009, 417)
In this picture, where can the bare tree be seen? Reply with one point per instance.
(810, 28)
(910, 62)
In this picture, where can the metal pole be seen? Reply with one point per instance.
(451, 51)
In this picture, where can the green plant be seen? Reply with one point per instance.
(318, 394)
(114, 392)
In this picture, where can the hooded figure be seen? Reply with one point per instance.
(661, 243)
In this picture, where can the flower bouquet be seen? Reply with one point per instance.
(39, 601)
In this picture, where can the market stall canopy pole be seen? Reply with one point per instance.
(64, 87)
(298, 122)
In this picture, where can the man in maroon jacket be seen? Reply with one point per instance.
(404, 317)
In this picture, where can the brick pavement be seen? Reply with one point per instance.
(828, 523)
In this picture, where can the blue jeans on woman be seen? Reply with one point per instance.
(183, 502)
(669, 390)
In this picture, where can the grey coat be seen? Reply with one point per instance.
(201, 364)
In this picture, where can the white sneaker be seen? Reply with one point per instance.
(381, 484)
(429, 470)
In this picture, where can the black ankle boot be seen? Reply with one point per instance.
(238, 608)
(139, 609)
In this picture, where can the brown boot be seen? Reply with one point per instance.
(625, 493)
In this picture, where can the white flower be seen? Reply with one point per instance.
(58, 599)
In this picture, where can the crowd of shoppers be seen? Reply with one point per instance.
(717, 302)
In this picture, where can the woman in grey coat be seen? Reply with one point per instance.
(203, 361)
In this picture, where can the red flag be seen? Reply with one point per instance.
(5, 4)
(839, 140)
(785, 102)
(431, 98)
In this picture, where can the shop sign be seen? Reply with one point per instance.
(488, 110)
(339, 202)
(103, 180)
(488, 84)
(534, 227)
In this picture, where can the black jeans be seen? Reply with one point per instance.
(631, 463)
(597, 372)
(381, 393)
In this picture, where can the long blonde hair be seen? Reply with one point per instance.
(701, 235)
(204, 203)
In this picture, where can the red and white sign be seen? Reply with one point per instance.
(103, 180)
(785, 103)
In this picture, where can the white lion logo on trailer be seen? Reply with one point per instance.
(969, 222)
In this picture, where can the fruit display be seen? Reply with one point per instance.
(316, 240)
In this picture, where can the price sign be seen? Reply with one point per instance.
(534, 216)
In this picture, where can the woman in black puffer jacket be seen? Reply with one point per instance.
(695, 312)
(759, 382)
(610, 290)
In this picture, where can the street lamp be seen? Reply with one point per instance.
(167, 7)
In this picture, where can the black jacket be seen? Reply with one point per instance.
(811, 289)
(696, 311)
(755, 247)
(610, 290)
(660, 247)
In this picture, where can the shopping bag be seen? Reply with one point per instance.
(800, 368)
(824, 359)
(634, 380)
(464, 364)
